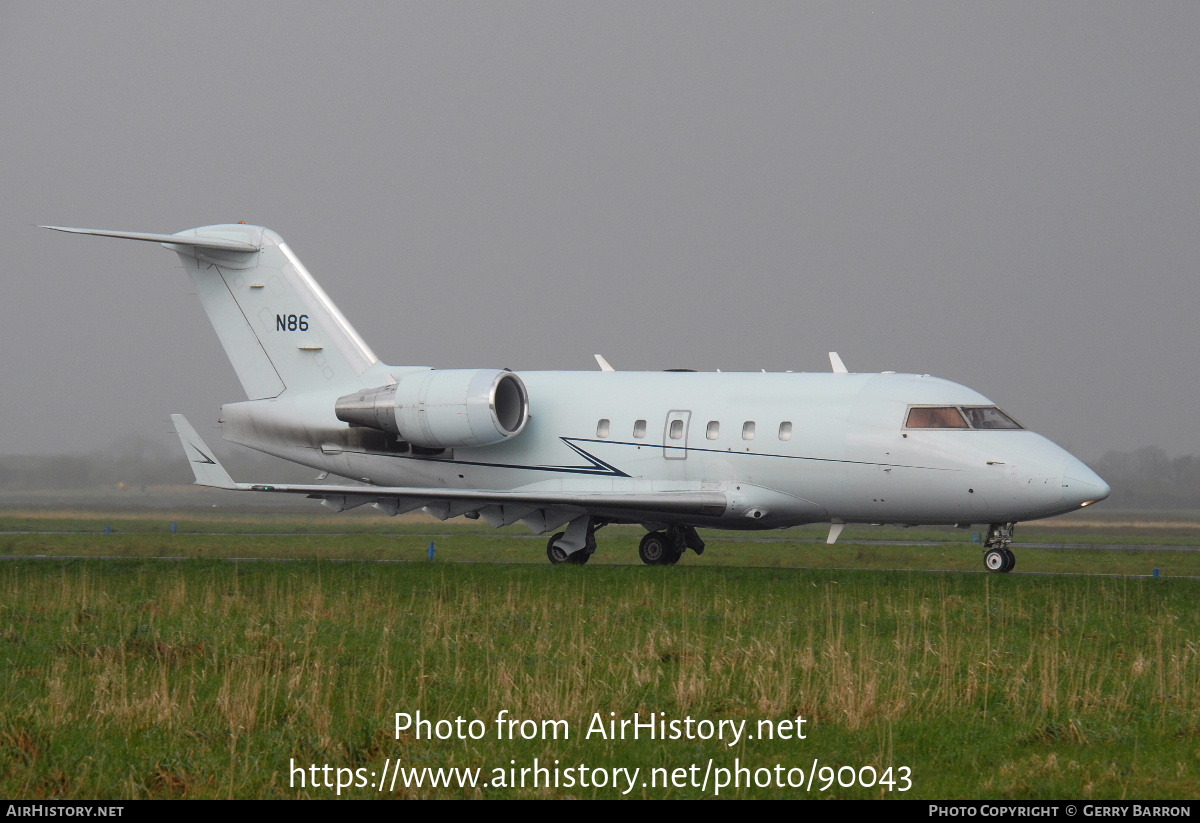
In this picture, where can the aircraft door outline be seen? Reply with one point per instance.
(675, 434)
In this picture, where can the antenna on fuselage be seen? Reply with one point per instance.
(835, 362)
(604, 364)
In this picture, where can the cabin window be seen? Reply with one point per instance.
(603, 428)
(714, 429)
(785, 430)
(748, 430)
(936, 417)
(676, 430)
(639, 428)
(989, 417)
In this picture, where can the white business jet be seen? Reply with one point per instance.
(673, 451)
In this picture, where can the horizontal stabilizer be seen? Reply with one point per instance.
(208, 471)
(169, 239)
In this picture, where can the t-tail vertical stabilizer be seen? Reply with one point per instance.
(279, 329)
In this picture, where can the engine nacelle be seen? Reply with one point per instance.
(443, 408)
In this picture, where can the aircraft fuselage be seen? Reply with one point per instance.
(789, 448)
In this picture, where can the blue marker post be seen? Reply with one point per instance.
(108, 528)
(1156, 571)
(432, 549)
(174, 527)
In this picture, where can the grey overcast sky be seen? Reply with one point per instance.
(1002, 194)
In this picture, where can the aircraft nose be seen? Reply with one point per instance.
(1081, 486)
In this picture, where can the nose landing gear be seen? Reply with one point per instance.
(997, 556)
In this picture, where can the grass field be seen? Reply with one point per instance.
(137, 677)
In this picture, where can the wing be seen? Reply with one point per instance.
(540, 510)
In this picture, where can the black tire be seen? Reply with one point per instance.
(559, 556)
(995, 560)
(554, 553)
(676, 546)
(654, 549)
(1010, 561)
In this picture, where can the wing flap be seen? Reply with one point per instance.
(441, 501)
(681, 502)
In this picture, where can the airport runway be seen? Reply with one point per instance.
(1125, 547)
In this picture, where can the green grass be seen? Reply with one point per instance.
(357, 537)
(140, 678)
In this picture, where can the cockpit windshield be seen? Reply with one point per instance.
(939, 417)
(989, 417)
(959, 417)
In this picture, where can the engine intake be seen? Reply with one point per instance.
(443, 408)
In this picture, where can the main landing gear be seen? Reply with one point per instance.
(559, 555)
(658, 548)
(997, 556)
(583, 532)
(664, 548)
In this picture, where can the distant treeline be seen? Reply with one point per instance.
(1148, 479)
(136, 463)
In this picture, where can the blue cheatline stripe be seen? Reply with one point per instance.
(598, 467)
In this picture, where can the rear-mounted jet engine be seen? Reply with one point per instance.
(443, 408)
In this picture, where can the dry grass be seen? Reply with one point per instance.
(202, 679)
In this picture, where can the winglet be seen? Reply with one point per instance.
(604, 364)
(206, 468)
(835, 363)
